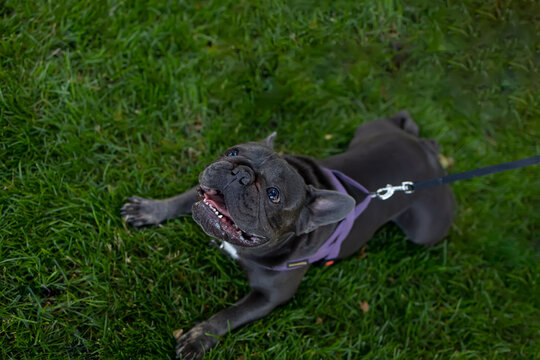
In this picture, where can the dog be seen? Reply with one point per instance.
(276, 215)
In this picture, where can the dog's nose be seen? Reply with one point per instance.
(244, 174)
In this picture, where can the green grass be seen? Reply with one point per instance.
(100, 100)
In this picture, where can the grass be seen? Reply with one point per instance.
(100, 100)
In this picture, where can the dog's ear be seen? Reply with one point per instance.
(323, 207)
(269, 141)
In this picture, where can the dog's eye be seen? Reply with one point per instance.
(232, 153)
(273, 194)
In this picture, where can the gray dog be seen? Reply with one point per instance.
(277, 214)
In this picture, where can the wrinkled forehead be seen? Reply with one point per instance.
(274, 169)
(256, 152)
(267, 161)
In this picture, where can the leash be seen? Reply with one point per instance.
(409, 187)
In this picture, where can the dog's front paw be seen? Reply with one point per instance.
(138, 211)
(194, 343)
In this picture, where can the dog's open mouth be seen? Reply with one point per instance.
(212, 206)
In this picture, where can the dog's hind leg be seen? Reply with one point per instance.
(404, 121)
(428, 220)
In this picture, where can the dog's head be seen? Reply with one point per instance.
(252, 196)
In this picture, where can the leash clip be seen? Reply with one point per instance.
(389, 190)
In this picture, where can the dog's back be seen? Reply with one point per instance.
(389, 151)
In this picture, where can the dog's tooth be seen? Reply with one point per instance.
(220, 216)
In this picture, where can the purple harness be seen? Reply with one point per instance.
(330, 249)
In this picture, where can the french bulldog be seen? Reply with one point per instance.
(275, 214)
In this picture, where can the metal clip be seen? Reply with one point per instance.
(387, 192)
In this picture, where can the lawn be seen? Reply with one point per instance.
(100, 100)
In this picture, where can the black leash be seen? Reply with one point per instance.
(409, 187)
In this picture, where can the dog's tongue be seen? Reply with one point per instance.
(218, 202)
